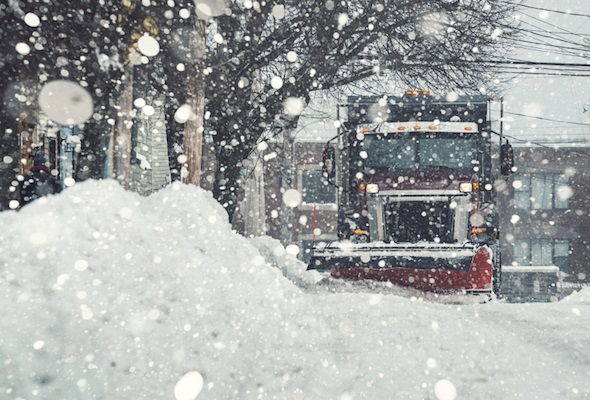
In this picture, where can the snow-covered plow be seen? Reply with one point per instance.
(440, 268)
(417, 198)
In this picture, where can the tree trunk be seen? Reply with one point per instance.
(195, 125)
(122, 133)
(287, 182)
(193, 130)
(93, 150)
(174, 138)
(227, 174)
(10, 162)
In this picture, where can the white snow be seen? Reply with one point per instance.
(148, 46)
(276, 82)
(66, 102)
(22, 48)
(108, 295)
(32, 20)
(293, 106)
(183, 113)
(206, 9)
(292, 198)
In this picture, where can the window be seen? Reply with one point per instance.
(456, 153)
(542, 252)
(561, 253)
(541, 191)
(421, 150)
(389, 153)
(316, 189)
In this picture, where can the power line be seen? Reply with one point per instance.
(535, 71)
(540, 68)
(542, 63)
(566, 50)
(556, 32)
(552, 128)
(554, 42)
(559, 41)
(563, 30)
(541, 73)
(555, 36)
(555, 11)
(547, 119)
(554, 148)
(544, 68)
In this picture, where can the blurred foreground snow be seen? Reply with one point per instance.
(109, 295)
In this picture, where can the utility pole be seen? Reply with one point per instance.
(287, 182)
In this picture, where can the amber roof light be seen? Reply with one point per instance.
(417, 92)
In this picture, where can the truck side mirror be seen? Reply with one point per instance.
(329, 162)
(506, 159)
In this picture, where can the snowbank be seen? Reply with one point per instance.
(106, 294)
(117, 296)
(581, 296)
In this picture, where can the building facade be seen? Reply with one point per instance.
(545, 210)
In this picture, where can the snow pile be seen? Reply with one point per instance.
(578, 297)
(293, 269)
(106, 294)
(118, 296)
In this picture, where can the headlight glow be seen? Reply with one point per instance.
(466, 187)
(372, 188)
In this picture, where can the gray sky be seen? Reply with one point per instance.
(552, 98)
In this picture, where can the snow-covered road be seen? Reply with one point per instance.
(108, 295)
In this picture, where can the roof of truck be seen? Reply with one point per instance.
(395, 108)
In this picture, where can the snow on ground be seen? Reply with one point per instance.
(108, 295)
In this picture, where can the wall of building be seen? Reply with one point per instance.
(555, 223)
(316, 218)
(150, 170)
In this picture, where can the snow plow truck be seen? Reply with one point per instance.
(416, 194)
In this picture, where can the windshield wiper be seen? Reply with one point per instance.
(443, 167)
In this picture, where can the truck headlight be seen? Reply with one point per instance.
(465, 187)
(372, 188)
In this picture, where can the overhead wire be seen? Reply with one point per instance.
(548, 119)
(559, 41)
(545, 47)
(561, 33)
(549, 40)
(554, 36)
(574, 94)
(560, 148)
(522, 67)
(563, 30)
(554, 46)
(555, 11)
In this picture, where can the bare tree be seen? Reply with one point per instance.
(270, 56)
(82, 41)
(263, 60)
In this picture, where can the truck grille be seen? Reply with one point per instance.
(418, 221)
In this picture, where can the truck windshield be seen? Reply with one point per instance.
(394, 152)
